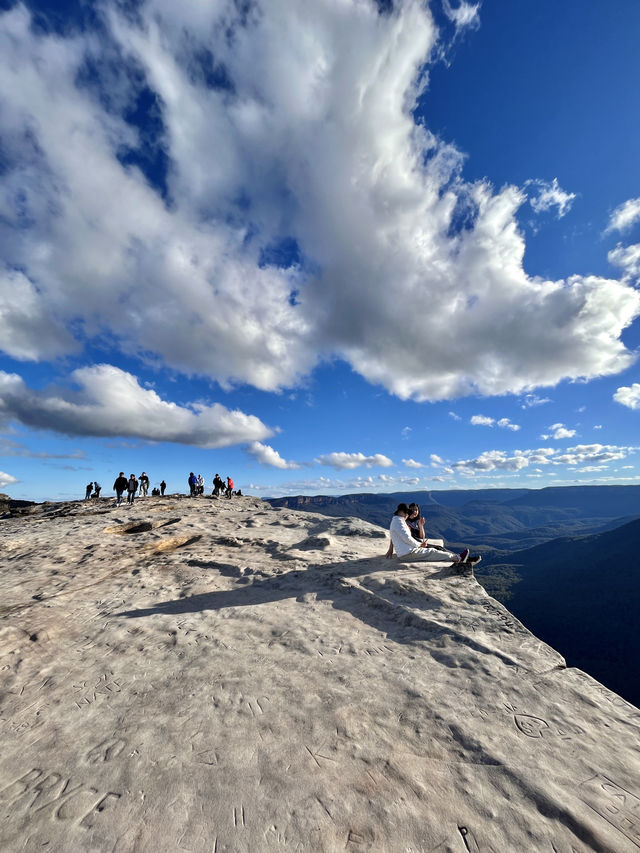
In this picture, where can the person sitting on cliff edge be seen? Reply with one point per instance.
(408, 549)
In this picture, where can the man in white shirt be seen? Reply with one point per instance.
(407, 548)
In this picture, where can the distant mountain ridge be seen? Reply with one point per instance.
(490, 519)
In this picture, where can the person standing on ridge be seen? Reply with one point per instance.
(88, 490)
(132, 488)
(218, 485)
(192, 483)
(119, 487)
(229, 490)
(144, 485)
(200, 485)
(96, 489)
(163, 486)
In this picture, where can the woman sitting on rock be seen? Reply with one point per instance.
(408, 549)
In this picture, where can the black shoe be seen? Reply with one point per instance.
(474, 560)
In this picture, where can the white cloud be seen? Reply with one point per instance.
(592, 454)
(343, 461)
(463, 15)
(627, 258)
(454, 416)
(548, 195)
(266, 455)
(598, 426)
(624, 216)
(436, 460)
(531, 400)
(313, 139)
(628, 395)
(111, 402)
(581, 454)
(558, 432)
(405, 431)
(7, 480)
(411, 463)
(505, 423)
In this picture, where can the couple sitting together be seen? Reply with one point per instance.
(410, 543)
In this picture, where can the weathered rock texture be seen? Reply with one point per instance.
(210, 675)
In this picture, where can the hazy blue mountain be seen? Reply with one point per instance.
(582, 596)
(490, 519)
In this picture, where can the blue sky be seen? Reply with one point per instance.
(322, 248)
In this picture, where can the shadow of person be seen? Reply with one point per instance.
(395, 600)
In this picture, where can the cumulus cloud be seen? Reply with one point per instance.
(628, 395)
(7, 480)
(277, 126)
(436, 460)
(111, 402)
(581, 454)
(624, 216)
(330, 485)
(592, 454)
(354, 460)
(411, 463)
(504, 423)
(557, 432)
(545, 195)
(266, 455)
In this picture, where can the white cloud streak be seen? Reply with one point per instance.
(343, 461)
(311, 138)
(111, 402)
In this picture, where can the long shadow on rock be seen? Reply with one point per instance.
(331, 582)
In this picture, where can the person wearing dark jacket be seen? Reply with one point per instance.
(119, 487)
(163, 486)
(132, 488)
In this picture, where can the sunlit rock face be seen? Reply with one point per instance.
(219, 675)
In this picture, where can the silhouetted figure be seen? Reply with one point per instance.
(218, 485)
(119, 487)
(163, 486)
(155, 493)
(88, 491)
(97, 488)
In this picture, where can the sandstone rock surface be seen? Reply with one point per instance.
(209, 675)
